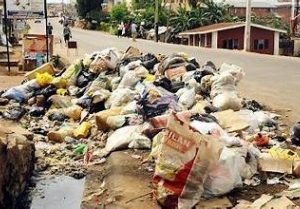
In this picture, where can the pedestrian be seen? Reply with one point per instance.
(123, 30)
(126, 28)
(133, 31)
(49, 29)
(67, 33)
(120, 29)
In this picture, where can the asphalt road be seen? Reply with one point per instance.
(273, 80)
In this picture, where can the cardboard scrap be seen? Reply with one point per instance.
(260, 202)
(214, 203)
(231, 121)
(269, 164)
(268, 202)
(292, 194)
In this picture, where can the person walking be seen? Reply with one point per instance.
(49, 29)
(133, 31)
(67, 34)
(120, 29)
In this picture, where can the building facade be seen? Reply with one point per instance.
(263, 39)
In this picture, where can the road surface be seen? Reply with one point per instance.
(272, 80)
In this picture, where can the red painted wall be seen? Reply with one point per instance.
(257, 33)
(236, 33)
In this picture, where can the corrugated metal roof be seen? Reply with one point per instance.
(254, 3)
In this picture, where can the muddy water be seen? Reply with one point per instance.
(58, 193)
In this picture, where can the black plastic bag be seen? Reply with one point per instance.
(14, 112)
(37, 111)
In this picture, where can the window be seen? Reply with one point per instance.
(231, 44)
(261, 44)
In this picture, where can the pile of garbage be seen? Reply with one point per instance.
(205, 139)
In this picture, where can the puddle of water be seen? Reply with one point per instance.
(61, 192)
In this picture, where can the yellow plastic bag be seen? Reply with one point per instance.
(59, 82)
(61, 92)
(44, 79)
(83, 130)
(149, 78)
(282, 154)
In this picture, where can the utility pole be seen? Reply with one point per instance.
(247, 39)
(293, 10)
(6, 34)
(156, 20)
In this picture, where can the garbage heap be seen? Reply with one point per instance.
(205, 140)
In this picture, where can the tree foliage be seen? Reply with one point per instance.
(119, 13)
(86, 6)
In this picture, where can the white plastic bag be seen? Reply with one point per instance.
(125, 136)
(120, 97)
(187, 99)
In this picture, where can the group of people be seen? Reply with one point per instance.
(66, 32)
(130, 30)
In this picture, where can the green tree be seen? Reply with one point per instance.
(119, 13)
(85, 6)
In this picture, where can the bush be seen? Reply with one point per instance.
(105, 26)
(119, 13)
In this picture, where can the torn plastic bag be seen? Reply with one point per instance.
(184, 159)
(83, 130)
(187, 99)
(131, 77)
(73, 112)
(120, 97)
(227, 100)
(148, 61)
(84, 78)
(119, 121)
(170, 61)
(113, 58)
(234, 70)
(264, 119)
(71, 73)
(58, 117)
(208, 128)
(101, 82)
(175, 73)
(130, 108)
(194, 62)
(44, 79)
(199, 74)
(47, 92)
(204, 118)
(168, 85)
(101, 117)
(190, 67)
(23, 92)
(229, 172)
(122, 137)
(253, 105)
(295, 134)
(130, 66)
(249, 117)
(98, 65)
(14, 112)
(59, 101)
(155, 101)
(37, 111)
(161, 120)
(60, 135)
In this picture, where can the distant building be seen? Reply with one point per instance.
(264, 39)
(261, 8)
(108, 4)
(174, 4)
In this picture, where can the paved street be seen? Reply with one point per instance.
(273, 80)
